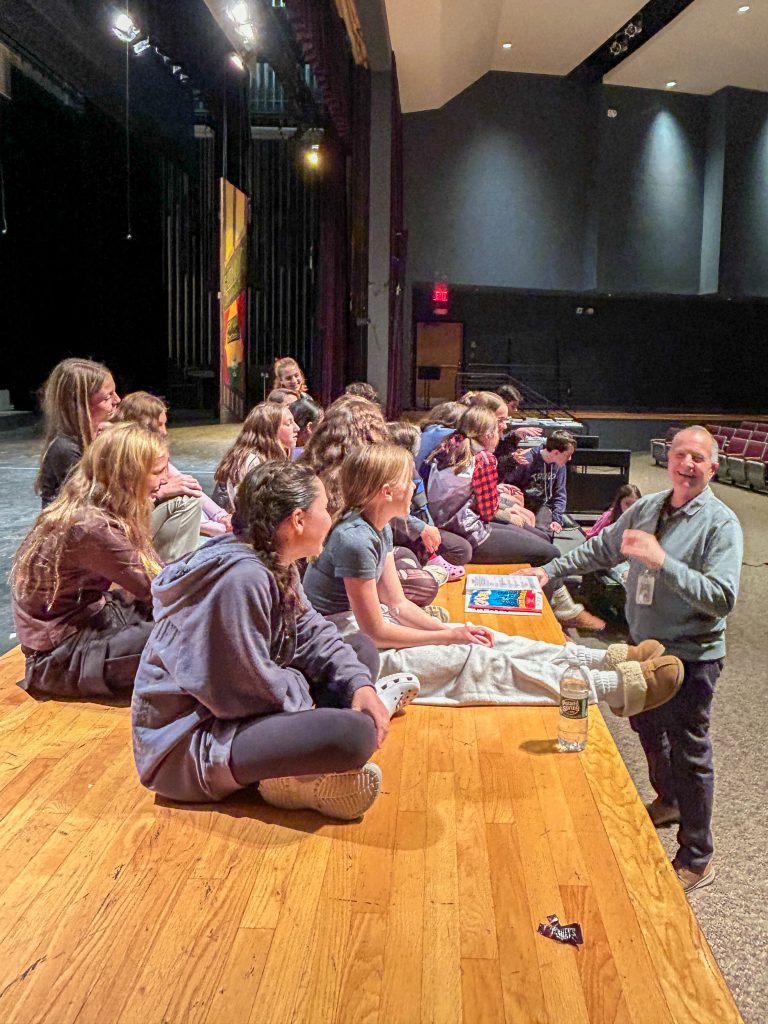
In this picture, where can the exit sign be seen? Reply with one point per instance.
(440, 297)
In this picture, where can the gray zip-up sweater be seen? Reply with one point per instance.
(218, 655)
(696, 587)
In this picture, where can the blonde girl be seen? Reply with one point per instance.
(268, 432)
(354, 583)
(78, 397)
(287, 374)
(80, 637)
(182, 512)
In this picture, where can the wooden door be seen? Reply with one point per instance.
(438, 345)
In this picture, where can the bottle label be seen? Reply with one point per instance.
(574, 707)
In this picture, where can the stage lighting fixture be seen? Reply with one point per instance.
(124, 28)
(312, 156)
(246, 31)
(237, 60)
(239, 13)
(141, 46)
(671, 85)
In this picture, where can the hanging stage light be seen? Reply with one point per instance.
(141, 46)
(312, 157)
(239, 13)
(124, 28)
(237, 60)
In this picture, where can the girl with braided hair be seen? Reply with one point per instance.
(243, 683)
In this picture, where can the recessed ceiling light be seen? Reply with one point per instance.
(506, 46)
(743, 10)
(671, 85)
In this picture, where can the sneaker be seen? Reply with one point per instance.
(343, 795)
(617, 654)
(437, 612)
(437, 572)
(662, 814)
(585, 621)
(397, 691)
(690, 879)
(648, 684)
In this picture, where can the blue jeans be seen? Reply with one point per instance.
(678, 748)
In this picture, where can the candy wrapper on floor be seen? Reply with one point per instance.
(568, 933)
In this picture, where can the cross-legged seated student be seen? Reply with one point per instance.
(225, 692)
(355, 584)
(80, 637)
(78, 397)
(268, 432)
(464, 494)
(182, 512)
(350, 422)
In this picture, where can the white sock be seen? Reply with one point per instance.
(587, 657)
(608, 687)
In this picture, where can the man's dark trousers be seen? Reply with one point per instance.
(677, 745)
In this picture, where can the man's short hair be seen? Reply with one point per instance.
(714, 449)
(560, 441)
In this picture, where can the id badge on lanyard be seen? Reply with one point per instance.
(646, 583)
(646, 580)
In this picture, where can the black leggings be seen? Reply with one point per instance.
(303, 743)
(507, 544)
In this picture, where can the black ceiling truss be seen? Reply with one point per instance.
(641, 27)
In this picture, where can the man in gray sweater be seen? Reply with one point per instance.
(685, 550)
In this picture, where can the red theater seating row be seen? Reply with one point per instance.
(742, 453)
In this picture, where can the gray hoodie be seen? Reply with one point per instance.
(218, 656)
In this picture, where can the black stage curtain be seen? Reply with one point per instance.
(398, 249)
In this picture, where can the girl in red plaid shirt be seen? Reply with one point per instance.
(464, 495)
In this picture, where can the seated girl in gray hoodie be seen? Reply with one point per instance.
(243, 682)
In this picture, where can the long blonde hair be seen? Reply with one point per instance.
(367, 469)
(258, 436)
(456, 450)
(109, 483)
(65, 397)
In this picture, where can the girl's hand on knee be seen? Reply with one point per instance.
(367, 700)
(470, 634)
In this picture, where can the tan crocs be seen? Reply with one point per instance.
(617, 654)
(648, 684)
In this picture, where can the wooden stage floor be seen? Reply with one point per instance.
(116, 907)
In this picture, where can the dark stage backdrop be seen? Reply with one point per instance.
(657, 217)
(633, 353)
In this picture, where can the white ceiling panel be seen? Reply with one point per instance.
(442, 46)
(551, 37)
(704, 49)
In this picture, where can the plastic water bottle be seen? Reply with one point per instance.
(574, 723)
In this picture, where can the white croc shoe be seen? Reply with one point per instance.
(397, 691)
(343, 795)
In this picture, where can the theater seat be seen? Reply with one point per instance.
(737, 464)
(757, 473)
(748, 425)
(735, 448)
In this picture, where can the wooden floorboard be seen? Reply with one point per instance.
(117, 907)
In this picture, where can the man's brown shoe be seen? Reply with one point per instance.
(584, 620)
(662, 814)
(617, 654)
(648, 684)
(690, 879)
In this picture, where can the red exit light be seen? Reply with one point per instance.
(440, 294)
